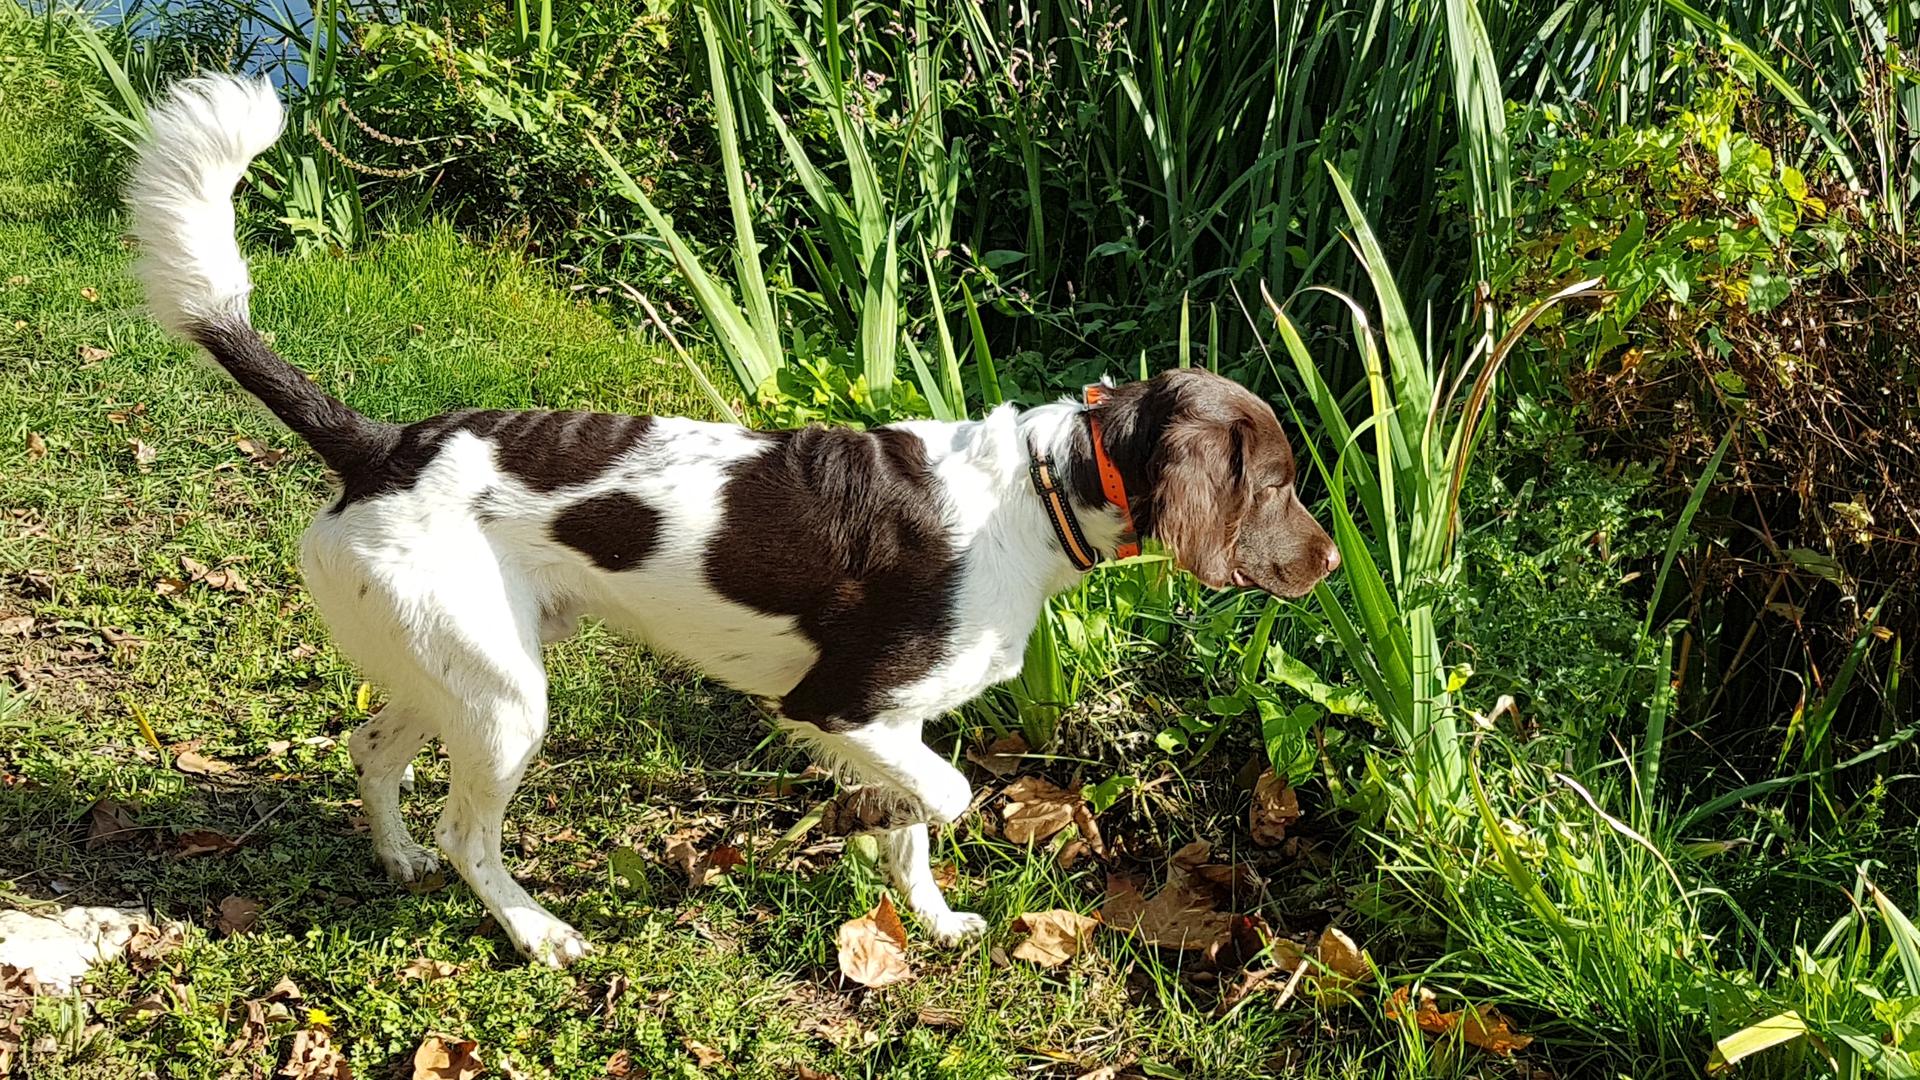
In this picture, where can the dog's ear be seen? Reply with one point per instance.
(1201, 494)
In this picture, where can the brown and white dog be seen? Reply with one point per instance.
(862, 582)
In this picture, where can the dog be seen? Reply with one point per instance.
(861, 582)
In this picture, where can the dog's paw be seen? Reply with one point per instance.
(546, 940)
(410, 864)
(954, 927)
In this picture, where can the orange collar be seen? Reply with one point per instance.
(1110, 483)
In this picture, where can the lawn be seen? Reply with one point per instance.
(165, 666)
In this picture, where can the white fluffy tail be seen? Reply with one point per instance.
(201, 137)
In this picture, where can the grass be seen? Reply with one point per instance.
(639, 749)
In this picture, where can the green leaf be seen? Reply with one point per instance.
(1766, 289)
(1774, 1031)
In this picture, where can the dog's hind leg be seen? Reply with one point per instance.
(383, 750)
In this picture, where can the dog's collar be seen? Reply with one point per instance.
(1111, 485)
(1066, 527)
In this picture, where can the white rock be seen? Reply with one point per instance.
(60, 949)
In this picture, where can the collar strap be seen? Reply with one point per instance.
(1046, 484)
(1110, 483)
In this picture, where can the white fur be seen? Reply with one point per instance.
(447, 606)
(200, 139)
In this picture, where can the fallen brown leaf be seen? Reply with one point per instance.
(808, 1072)
(1275, 806)
(93, 354)
(192, 761)
(1036, 810)
(109, 822)
(620, 1065)
(203, 842)
(252, 1036)
(260, 454)
(237, 915)
(439, 1058)
(1001, 757)
(16, 626)
(701, 868)
(194, 568)
(1175, 918)
(169, 586)
(314, 1057)
(1344, 964)
(89, 293)
(1482, 1027)
(873, 948)
(1053, 937)
(152, 1003)
(143, 454)
(704, 1056)
(427, 970)
(151, 944)
(36, 446)
(226, 579)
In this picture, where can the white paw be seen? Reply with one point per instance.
(546, 940)
(410, 864)
(954, 927)
(946, 801)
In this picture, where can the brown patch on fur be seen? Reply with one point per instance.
(842, 531)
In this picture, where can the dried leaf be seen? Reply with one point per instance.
(194, 567)
(440, 1058)
(1053, 937)
(1036, 810)
(620, 1065)
(152, 944)
(314, 1057)
(808, 1072)
(1176, 918)
(1001, 757)
(701, 868)
(704, 1056)
(93, 354)
(143, 454)
(109, 822)
(16, 626)
(36, 446)
(89, 294)
(152, 1003)
(873, 948)
(1482, 1027)
(1275, 806)
(252, 1036)
(169, 586)
(203, 842)
(191, 761)
(1344, 964)
(427, 970)
(264, 456)
(226, 579)
(237, 915)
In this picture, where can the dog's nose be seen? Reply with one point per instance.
(1333, 559)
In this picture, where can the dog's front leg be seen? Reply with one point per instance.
(910, 865)
(889, 755)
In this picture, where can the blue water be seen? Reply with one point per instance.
(263, 47)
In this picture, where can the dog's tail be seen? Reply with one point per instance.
(201, 137)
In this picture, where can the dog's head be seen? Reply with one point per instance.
(1210, 474)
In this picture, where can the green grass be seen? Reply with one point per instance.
(639, 748)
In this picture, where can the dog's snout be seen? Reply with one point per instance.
(1333, 559)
